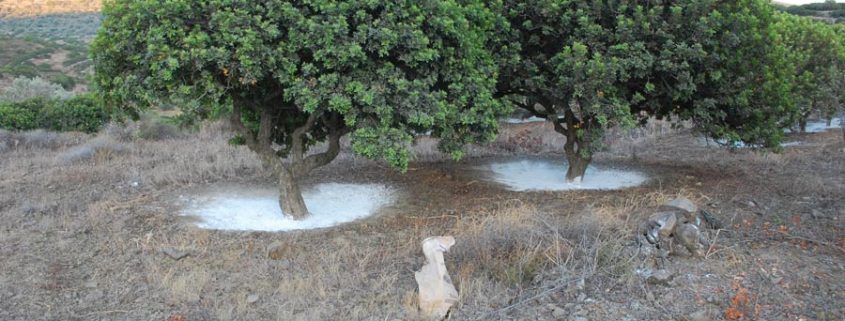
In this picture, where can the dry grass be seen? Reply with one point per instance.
(84, 240)
(26, 8)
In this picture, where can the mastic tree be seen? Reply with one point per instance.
(817, 51)
(297, 73)
(744, 92)
(586, 66)
(564, 63)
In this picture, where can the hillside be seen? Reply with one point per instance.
(28, 8)
(832, 12)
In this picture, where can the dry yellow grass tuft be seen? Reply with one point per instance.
(84, 239)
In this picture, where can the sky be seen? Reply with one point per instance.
(802, 1)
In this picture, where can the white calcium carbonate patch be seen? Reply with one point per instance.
(532, 119)
(258, 209)
(721, 142)
(822, 126)
(539, 175)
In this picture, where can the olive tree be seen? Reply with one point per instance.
(298, 73)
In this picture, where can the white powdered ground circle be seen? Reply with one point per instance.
(258, 209)
(820, 126)
(541, 175)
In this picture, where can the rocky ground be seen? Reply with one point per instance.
(90, 231)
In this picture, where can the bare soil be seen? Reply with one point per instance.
(87, 239)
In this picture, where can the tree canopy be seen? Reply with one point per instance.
(817, 54)
(590, 65)
(295, 73)
(292, 74)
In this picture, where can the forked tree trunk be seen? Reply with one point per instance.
(290, 196)
(577, 157)
(577, 162)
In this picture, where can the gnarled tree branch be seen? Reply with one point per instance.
(297, 139)
(336, 130)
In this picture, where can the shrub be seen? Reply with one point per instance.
(23, 88)
(20, 116)
(67, 82)
(151, 128)
(81, 113)
(103, 145)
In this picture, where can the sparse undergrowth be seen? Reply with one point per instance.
(84, 239)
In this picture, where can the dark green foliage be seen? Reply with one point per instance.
(743, 90)
(294, 74)
(570, 63)
(81, 113)
(589, 65)
(379, 70)
(817, 54)
(19, 116)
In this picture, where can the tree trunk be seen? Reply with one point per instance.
(576, 156)
(290, 196)
(842, 125)
(260, 142)
(802, 124)
(577, 165)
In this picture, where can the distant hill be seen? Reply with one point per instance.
(832, 12)
(29, 8)
(57, 26)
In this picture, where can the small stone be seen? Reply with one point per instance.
(174, 253)
(660, 277)
(579, 318)
(90, 284)
(278, 250)
(252, 298)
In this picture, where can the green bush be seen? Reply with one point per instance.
(21, 115)
(67, 82)
(81, 113)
